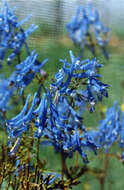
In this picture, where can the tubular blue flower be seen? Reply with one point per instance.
(58, 117)
(110, 130)
(22, 76)
(41, 118)
(6, 92)
(122, 131)
(98, 87)
(64, 130)
(80, 31)
(26, 70)
(76, 28)
(22, 113)
(80, 70)
(12, 35)
(20, 124)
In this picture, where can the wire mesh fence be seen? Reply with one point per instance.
(53, 15)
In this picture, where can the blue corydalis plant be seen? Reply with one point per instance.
(110, 129)
(64, 129)
(80, 81)
(58, 118)
(23, 75)
(12, 35)
(25, 71)
(64, 132)
(20, 124)
(55, 116)
(80, 31)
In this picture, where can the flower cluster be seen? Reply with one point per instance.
(58, 117)
(22, 76)
(60, 128)
(26, 71)
(54, 115)
(110, 130)
(87, 87)
(64, 129)
(12, 36)
(80, 32)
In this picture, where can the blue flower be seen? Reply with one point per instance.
(22, 76)
(25, 71)
(6, 92)
(40, 121)
(20, 124)
(80, 32)
(122, 131)
(110, 130)
(80, 70)
(12, 35)
(64, 130)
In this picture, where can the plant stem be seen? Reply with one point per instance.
(102, 179)
(38, 144)
(77, 159)
(63, 164)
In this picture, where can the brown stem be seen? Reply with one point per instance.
(103, 176)
(38, 145)
(122, 95)
(23, 98)
(63, 164)
(102, 184)
(106, 164)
